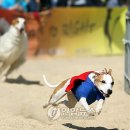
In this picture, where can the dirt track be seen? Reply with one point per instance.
(21, 100)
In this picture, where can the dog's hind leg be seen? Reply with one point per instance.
(15, 65)
(72, 101)
(58, 93)
(55, 98)
(46, 105)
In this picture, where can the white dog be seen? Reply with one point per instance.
(13, 47)
(85, 88)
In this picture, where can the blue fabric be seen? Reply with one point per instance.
(88, 90)
(10, 3)
(23, 3)
(33, 6)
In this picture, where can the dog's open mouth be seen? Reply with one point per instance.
(104, 94)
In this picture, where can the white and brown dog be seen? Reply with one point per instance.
(85, 88)
(13, 47)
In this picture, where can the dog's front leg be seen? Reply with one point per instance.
(99, 106)
(90, 111)
(3, 70)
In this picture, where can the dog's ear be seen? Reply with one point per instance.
(105, 70)
(110, 71)
(96, 73)
(15, 21)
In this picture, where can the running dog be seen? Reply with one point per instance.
(13, 47)
(85, 88)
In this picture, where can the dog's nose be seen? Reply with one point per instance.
(109, 91)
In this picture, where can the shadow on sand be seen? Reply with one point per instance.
(86, 128)
(22, 80)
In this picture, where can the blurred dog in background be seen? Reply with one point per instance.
(13, 47)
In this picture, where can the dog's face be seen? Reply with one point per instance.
(104, 82)
(19, 24)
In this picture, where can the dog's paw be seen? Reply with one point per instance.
(55, 104)
(45, 106)
(91, 112)
(98, 111)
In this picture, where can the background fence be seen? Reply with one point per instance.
(127, 54)
(74, 31)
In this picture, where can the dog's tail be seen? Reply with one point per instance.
(48, 84)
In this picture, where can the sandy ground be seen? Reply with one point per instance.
(21, 100)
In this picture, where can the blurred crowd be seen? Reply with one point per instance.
(39, 5)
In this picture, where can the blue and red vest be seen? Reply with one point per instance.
(84, 88)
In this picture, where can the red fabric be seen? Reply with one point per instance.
(79, 77)
(36, 16)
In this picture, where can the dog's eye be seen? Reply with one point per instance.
(112, 83)
(103, 81)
